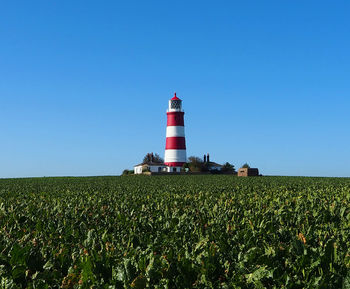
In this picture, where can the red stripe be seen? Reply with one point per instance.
(175, 118)
(174, 164)
(175, 143)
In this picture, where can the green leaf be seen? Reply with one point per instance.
(346, 281)
(139, 282)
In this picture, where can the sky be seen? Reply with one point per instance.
(84, 85)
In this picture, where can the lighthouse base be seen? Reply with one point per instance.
(173, 169)
(174, 164)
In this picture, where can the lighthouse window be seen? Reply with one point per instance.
(175, 104)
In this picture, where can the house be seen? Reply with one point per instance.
(211, 166)
(154, 164)
(248, 172)
(149, 167)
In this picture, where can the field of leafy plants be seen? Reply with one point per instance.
(175, 232)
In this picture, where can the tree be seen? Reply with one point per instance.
(196, 164)
(185, 167)
(152, 158)
(246, 166)
(127, 172)
(193, 159)
(228, 168)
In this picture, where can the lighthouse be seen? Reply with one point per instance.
(175, 147)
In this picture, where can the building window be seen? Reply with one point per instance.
(159, 169)
(174, 170)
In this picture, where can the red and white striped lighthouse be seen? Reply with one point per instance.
(175, 148)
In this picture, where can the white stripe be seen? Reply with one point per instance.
(177, 156)
(172, 131)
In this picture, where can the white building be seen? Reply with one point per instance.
(150, 167)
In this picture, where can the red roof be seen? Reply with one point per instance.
(175, 97)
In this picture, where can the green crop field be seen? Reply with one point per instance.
(175, 232)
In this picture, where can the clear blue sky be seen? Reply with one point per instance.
(84, 85)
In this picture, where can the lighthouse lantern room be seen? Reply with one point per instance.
(175, 147)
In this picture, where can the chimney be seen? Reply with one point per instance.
(205, 158)
(208, 158)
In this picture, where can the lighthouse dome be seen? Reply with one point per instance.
(175, 103)
(175, 97)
